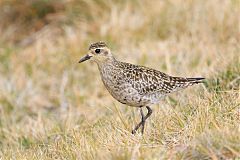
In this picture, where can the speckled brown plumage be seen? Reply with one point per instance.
(134, 85)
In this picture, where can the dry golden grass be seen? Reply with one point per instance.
(52, 107)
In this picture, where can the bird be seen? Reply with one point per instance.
(134, 85)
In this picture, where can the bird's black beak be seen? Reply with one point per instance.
(86, 57)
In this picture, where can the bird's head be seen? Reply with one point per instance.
(98, 52)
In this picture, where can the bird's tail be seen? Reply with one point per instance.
(181, 82)
(195, 80)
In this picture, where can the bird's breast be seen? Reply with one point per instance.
(122, 91)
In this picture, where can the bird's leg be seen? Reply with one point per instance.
(146, 117)
(139, 124)
(143, 120)
(142, 123)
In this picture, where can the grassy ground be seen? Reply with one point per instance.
(53, 107)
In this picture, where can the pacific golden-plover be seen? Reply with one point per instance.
(134, 85)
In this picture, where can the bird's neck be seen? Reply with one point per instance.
(106, 63)
(107, 68)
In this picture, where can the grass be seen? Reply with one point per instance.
(52, 107)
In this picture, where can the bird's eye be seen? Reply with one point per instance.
(97, 50)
